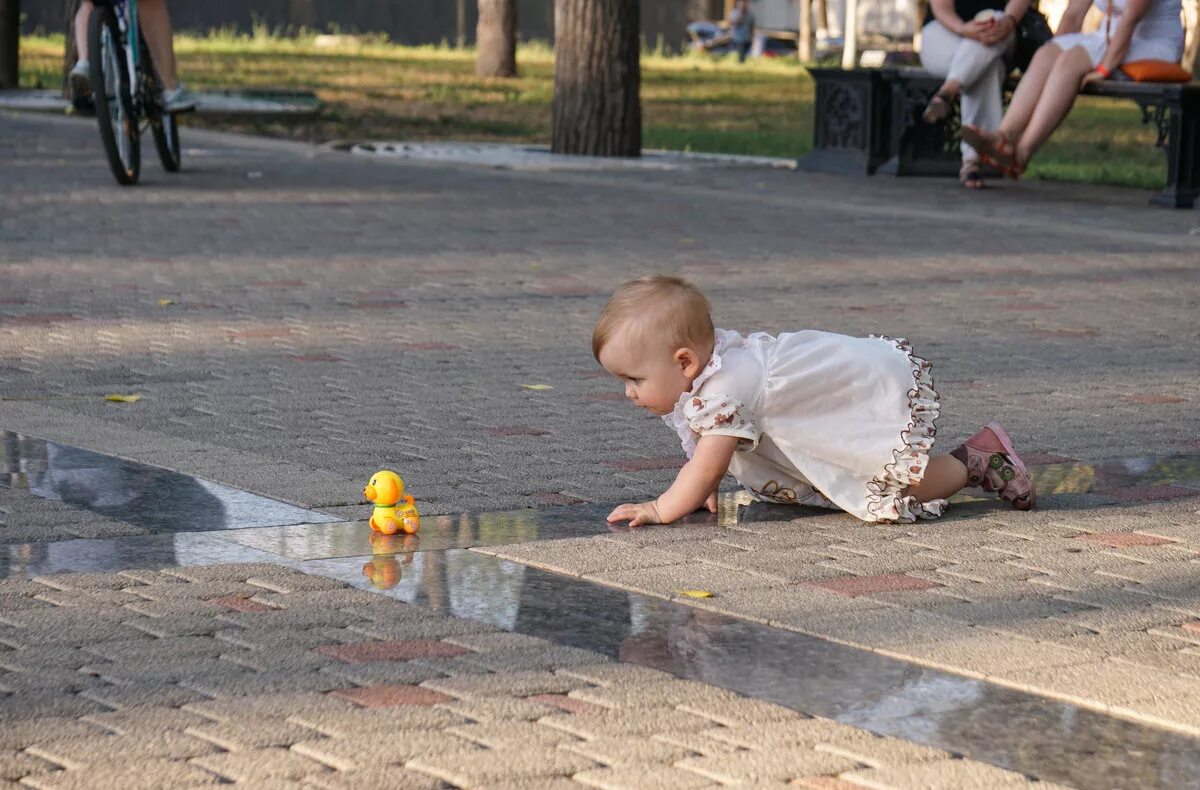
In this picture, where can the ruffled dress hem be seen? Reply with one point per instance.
(885, 498)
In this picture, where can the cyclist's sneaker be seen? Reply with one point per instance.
(178, 99)
(80, 78)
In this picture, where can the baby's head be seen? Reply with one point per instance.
(656, 335)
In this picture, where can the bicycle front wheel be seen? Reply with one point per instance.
(119, 130)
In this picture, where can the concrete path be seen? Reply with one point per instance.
(295, 319)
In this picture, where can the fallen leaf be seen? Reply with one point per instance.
(537, 386)
(165, 302)
(696, 593)
(134, 398)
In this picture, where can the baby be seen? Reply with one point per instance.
(810, 418)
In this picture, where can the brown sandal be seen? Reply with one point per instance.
(995, 149)
(993, 465)
(937, 110)
(970, 176)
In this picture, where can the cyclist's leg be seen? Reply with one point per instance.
(82, 14)
(79, 72)
(156, 29)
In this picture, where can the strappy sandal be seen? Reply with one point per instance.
(993, 465)
(994, 149)
(937, 110)
(970, 176)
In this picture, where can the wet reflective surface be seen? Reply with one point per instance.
(151, 497)
(462, 531)
(201, 523)
(1044, 738)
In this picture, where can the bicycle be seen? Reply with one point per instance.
(125, 106)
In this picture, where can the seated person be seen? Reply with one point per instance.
(1132, 30)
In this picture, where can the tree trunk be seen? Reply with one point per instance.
(822, 10)
(1191, 53)
(597, 108)
(460, 23)
(850, 31)
(496, 39)
(70, 53)
(804, 46)
(10, 43)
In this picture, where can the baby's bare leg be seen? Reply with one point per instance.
(944, 477)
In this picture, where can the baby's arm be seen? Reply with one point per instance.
(693, 485)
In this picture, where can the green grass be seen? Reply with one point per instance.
(373, 89)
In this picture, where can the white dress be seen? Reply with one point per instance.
(824, 419)
(1158, 35)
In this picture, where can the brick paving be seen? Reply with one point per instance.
(296, 319)
(256, 698)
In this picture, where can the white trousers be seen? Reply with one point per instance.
(979, 69)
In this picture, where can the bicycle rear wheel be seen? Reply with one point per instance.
(166, 140)
(119, 130)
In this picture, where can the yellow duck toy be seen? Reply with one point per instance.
(384, 569)
(394, 510)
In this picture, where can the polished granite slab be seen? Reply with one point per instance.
(110, 555)
(1045, 738)
(438, 533)
(146, 496)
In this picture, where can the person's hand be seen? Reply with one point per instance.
(1092, 76)
(974, 30)
(999, 30)
(637, 514)
(711, 502)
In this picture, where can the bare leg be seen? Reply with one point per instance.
(950, 89)
(81, 28)
(1062, 87)
(1029, 91)
(156, 28)
(944, 477)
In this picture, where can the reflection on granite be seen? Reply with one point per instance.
(355, 538)
(110, 555)
(1045, 738)
(146, 496)
(1075, 477)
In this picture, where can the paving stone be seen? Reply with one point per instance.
(281, 705)
(612, 673)
(14, 765)
(147, 720)
(364, 652)
(880, 752)
(787, 733)
(257, 765)
(699, 742)
(387, 696)
(358, 722)
(942, 775)
(250, 733)
(641, 777)
(627, 752)
(984, 653)
(664, 580)
(547, 783)
(481, 767)
(150, 695)
(548, 657)
(353, 754)
(519, 684)
(74, 753)
(391, 777)
(499, 709)
(779, 764)
(511, 734)
(150, 775)
(617, 723)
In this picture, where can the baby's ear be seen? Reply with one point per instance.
(689, 362)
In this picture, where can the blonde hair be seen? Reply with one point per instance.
(664, 308)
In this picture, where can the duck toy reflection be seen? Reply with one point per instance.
(384, 569)
(394, 510)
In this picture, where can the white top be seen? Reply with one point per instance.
(825, 419)
(1158, 35)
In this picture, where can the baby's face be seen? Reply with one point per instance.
(654, 378)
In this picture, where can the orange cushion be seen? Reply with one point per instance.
(1156, 71)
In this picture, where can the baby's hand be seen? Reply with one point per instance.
(636, 514)
(711, 502)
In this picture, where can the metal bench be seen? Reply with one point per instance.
(868, 121)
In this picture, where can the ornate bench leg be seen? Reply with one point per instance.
(1183, 153)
